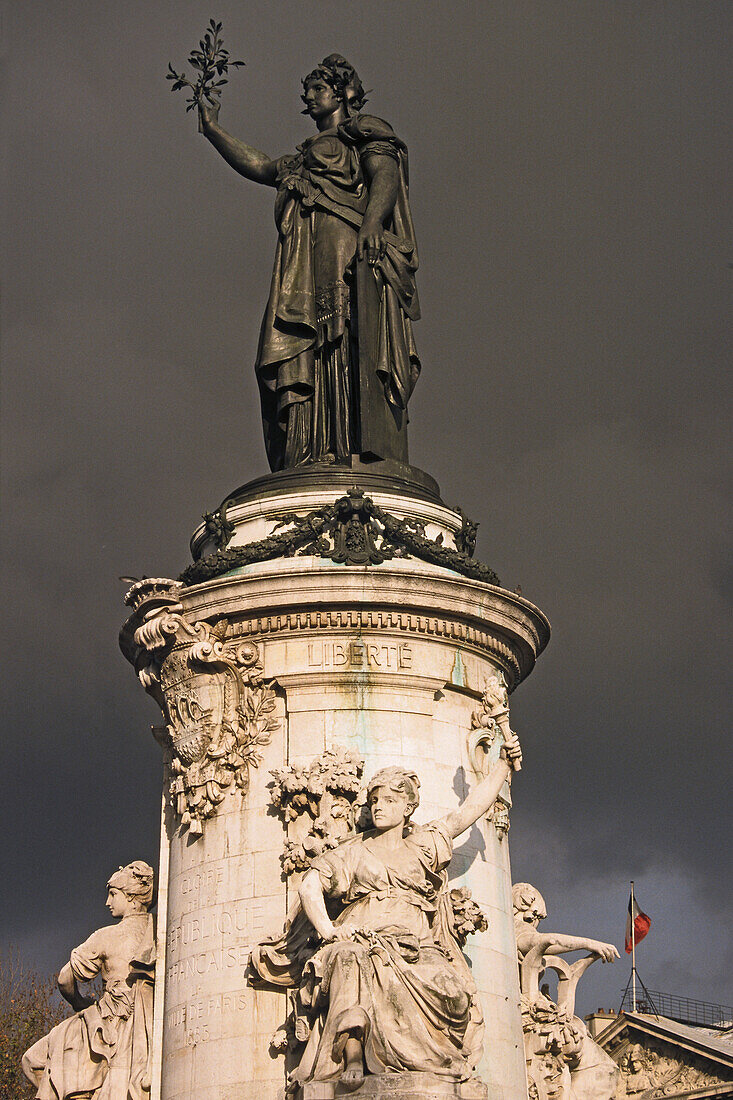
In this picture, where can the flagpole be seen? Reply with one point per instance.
(633, 952)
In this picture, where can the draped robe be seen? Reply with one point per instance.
(308, 366)
(104, 1050)
(400, 983)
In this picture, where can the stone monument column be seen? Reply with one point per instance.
(321, 629)
(334, 624)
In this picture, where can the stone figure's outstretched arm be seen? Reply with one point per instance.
(249, 162)
(556, 943)
(70, 991)
(484, 794)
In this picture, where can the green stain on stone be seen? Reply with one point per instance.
(457, 675)
(363, 739)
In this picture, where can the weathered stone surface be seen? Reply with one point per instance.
(388, 662)
(659, 1057)
(561, 1055)
(105, 1049)
(399, 1086)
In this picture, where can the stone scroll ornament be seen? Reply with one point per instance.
(219, 711)
(489, 724)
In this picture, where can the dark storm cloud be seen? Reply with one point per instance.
(567, 186)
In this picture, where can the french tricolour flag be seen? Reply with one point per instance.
(637, 924)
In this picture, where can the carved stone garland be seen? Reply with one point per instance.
(354, 530)
(318, 804)
(217, 707)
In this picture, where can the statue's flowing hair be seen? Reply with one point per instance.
(397, 779)
(336, 71)
(135, 881)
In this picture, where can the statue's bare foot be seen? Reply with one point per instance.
(353, 1076)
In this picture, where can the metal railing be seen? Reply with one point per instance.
(683, 1009)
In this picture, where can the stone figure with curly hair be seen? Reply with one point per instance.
(103, 1051)
(382, 985)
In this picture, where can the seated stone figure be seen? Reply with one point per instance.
(562, 1059)
(103, 1052)
(386, 988)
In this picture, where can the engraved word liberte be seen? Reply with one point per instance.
(359, 655)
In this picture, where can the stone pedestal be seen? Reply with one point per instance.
(298, 654)
(399, 1086)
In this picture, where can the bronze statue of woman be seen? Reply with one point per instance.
(337, 361)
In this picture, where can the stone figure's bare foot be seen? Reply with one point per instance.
(353, 1076)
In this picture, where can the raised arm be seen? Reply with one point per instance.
(249, 162)
(484, 794)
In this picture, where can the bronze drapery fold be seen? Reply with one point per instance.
(315, 406)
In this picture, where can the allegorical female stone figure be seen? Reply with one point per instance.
(387, 990)
(335, 373)
(103, 1052)
(562, 1058)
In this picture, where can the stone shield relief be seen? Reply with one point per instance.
(219, 711)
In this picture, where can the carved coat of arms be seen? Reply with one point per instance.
(218, 709)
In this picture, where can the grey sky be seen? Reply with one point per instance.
(568, 189)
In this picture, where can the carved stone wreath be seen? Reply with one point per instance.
(354, 530)
(218, 709)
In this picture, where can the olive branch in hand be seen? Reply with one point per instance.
(211, 60)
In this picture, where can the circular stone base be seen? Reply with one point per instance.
(267, 505)
(378, 476)
(387, 661)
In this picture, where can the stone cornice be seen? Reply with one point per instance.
(402, 596)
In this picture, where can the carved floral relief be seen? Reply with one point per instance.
(318, 804)
(655, 1070)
